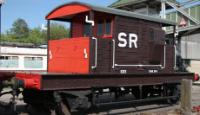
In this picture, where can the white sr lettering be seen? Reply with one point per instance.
(133, 39)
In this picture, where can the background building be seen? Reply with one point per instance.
(188, 33)
(22, 57)
(187, 16)
(148, 7)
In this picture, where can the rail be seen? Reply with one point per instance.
(96, 52)
(137, 65)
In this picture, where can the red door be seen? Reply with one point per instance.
(69, 56)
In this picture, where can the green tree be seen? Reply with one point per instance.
(59, 31)
(36, 36)
(19, 29)
(7, 38)
(21, 33)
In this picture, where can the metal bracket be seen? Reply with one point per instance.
(89, 21)
(138, 65)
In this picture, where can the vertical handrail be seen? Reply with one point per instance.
(113, 66)
(96, 53)
(164, 63)
(174, 56)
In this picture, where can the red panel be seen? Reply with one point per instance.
(68, 56)
(31, 81)
(67, 10)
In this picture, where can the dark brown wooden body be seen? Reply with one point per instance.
(83, 82)
(150, 51)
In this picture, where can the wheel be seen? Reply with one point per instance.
(173, 91)
(34, 109)
(61, 109)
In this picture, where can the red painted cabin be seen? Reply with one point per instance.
(73, 55)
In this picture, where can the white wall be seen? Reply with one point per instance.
(21, 53)
(194, 67)
(190, 47)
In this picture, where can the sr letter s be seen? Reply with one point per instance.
(122, 39)
(132, 40)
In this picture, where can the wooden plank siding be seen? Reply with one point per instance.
(104, 56)
(150, 49)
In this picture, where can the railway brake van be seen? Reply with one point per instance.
(113, 57)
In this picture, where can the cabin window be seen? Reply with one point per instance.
(9, 61)
(108, 27)
(87, 31)
(33, 62)
(151, 34)
(104, 28)
(100, 28)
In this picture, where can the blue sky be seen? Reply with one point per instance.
(34, 11)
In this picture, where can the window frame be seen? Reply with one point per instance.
(106, 22)
(100, 22)
(33, 59)
(151, 34)
(104, 35)
(91, 32)
(10, 58)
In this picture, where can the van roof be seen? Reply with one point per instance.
(63, 11)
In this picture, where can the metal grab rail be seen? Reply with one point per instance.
(113, 66)
(137, 65)
(96, 52)
(175, 56)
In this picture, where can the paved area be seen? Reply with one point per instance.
(196, 95)
(22, 108)
(176, 109)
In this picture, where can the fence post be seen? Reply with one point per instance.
(186, 97)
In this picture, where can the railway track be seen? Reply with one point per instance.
(135, 110)
(130, 109)
(149, 109)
